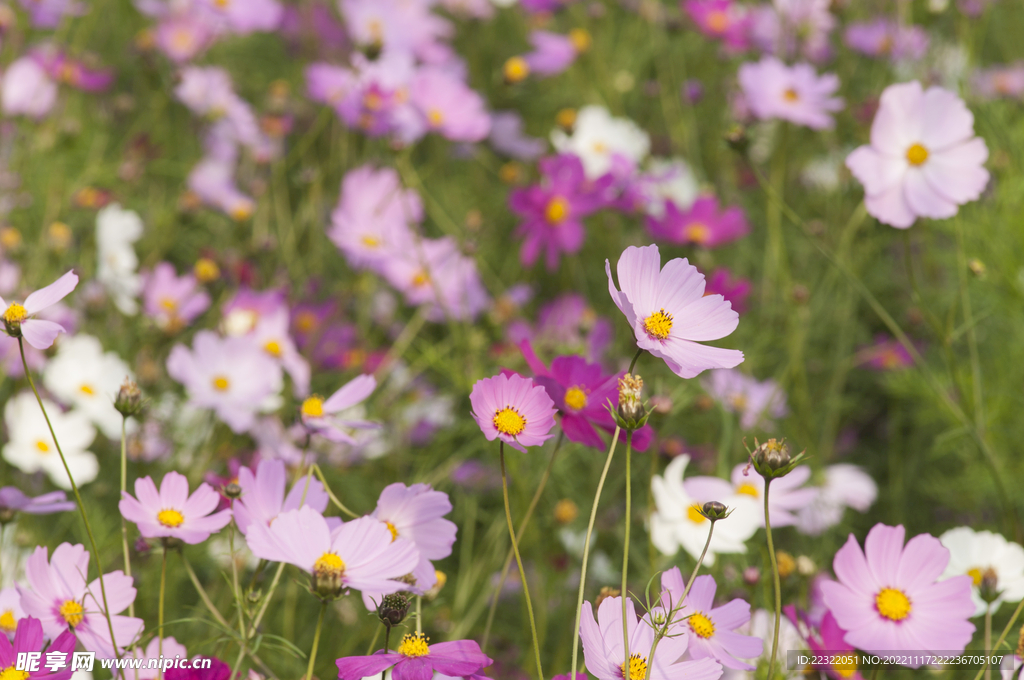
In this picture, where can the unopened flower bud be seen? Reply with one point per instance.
(606, 592)
(751, 576)
(772, 459)
(232, 490)
(254, 595)
(714, 510)
(977, 267)
(392, 609)
(988, 589)
(631, 414)
(129, 398)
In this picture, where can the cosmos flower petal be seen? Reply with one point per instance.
(350, 394)
(39, 333)
(55, 292)
(957, 173)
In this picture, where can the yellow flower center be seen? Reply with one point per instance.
(170, 518)
(846, 670)
(12, 673)
(697, 233)
(329, 563)
(15, 314)
(702, 625)
(791, 95)
(7, 621)
(87, 390)
(580, 38)
(169, 304)
(42, 446)
(421, 279)
(206, 270)
(273, 347)
(575, 398)
(658, 325)
(393, 530)
(222, 3)
(917, 155)
(976, 574)
(637, 668)
(749, 489)
(72, 612)
(305, 321)
(693, 514)
(516, 69)
(435, 117)
(892, 604)
(220, 383)
(556, 211)
(313, 407)
(241, 212)
(718, 21)
(371, 241)
(508, 421)
(414, 645)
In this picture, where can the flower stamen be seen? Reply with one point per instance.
(658, 325)
(892, 604)
(509, 421)
(414, 645)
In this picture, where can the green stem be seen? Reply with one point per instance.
(202, 591)
(519, 562)
(775, 574)
(330, 494)
(972, 338)
(988, 642)
(624, 593)
(160, 610)
(1002, 636)
(519, 532)
(586, 552)
(387, 639)
(238, 602)
(633, 362)
(78, 499)
(270, 593)
(419, 613)
(874, 673)
(316, 641)
(124, 522)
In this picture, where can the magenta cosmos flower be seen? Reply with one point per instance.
(28, 638)
(360, 554)
(923, 160)
(723, 19)
(704, 224)
(794, 93)
(669, 312)
(513, 409)
(415, 659)
(552, 52)
(605, 657)
(59, 597)
(734, 289)
(17, 318)
(263, 497)
(171, 512)
(888, 596)
(828, 643)
(711, 629)
(318, 414)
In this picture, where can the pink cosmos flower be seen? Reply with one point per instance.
(435, 272)
(27, 89)
(232, 376)
(171, 512)
(789, 27)
(885, 37)
(604, 654)
(999, 81)
(703, 224)
(723, 19)
(734, 289)
(448, 106)
(415, 659)
(888, 597)
(172, 301)
(58, 595)
(923, 160)
(184, 35)
(844, 486)
(317, 413)
(373, 216)
(10, 613)
(794, 93)
(263, 497)
(360, 554)
(64, 69)
(711, 630)
(757, 402)
(829, 643)
(885, 354)
(245, 16)
(513, 409)
(48, 13)
(416, 513)
(271, 333)
(552, 53)
(12, 500)
(507, 137)
(669, 312)
(18, 319)
(28, 638)
(168, 647)
(788, 495)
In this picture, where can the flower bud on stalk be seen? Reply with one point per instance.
(392, 609)
(631, 414)
(129, 398)
(772, 459)
(988, 589)
(232, 490)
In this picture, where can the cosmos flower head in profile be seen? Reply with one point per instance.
(19, 321)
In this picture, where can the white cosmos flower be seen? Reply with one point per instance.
(31, 448)
(676, 521)
(598, 138)
(84, 377)
(668, 179)
(975, 552)
(116, 230)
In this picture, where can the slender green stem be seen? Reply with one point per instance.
(124, 522)
(519, 532)
(160, 611)
(972, 338)
(78, 500)
(633, 362)
(586, 552)
(988, 642)
(419, 613)
(775, 575)
(269, 596)
(624, 592)
(387, 639)
(519, 561)
(874, 673)
(202, 591)
(316, 641)
(1002, 636)
(236, 591)
(330, 494)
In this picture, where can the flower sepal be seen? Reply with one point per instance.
(772, 459)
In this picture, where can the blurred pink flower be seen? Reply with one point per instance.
(704, 224)
(734, 289)
(371, 221)
(758, 403)
(172, 301)
(319, 415)
(434, 272)
(886, 38)
(723, 19)
(999, 81)
(27, 89)
(923, 160)
(448, 106)
(552, 53)
(245, 16)
(794, 93)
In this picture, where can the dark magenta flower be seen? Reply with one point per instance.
(734, 289)
(28, 637)
(704, 224)
(218, 670)
(416, 660)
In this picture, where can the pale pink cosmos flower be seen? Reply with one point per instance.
(448, 106)
(513, 409)
(360, 554)
(171, 512)
(923, 160)
(272, 334)
(10, 611)
(435, 273)
(758, 403)
(843, 486)
(18, 319)
(552, 53)
(263, 497)
(245, 16)
(173, 301)
(232, 376)
(669, 312)
(321, 416)
(27, 89)
(57, 594)
(794, 93)
(888, 596)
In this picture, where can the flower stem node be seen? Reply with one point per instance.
(631, 413)
(772, 459)
(129, 398)
(392, 609)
